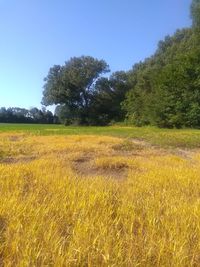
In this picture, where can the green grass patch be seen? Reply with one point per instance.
(185, 138)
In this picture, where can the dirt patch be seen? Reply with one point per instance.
(12, 160)
(183, 153)
(127, 146)
(85, 167)
(15, 138)
(140, 142)
(186, 154)
(142, 145)
(133, 148)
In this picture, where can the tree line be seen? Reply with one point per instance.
(163, 90)
(166, 87)
(22, 115)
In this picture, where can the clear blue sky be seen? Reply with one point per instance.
(36, 34)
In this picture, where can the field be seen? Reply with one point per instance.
(99, 196)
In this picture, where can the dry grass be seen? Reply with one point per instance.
(52, 214)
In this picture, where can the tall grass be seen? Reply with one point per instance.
(51, 215)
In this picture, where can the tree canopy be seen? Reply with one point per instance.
(73, 84)
(163, 90)
(83, 95)
(195, 13)
(22, 115)
(166, 87)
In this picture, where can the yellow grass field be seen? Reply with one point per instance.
(97, 201)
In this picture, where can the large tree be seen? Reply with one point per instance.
(107, 98)
(195, 13)
(73, 84)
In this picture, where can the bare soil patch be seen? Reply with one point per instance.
(15, 138)
(186, 154)
(129, 146)
(12, 160)
(85, 167)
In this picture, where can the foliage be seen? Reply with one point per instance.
(165, 88)
(22, 115)
(82, 95)
(195, 13)
(107, 98)
(72, 85)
